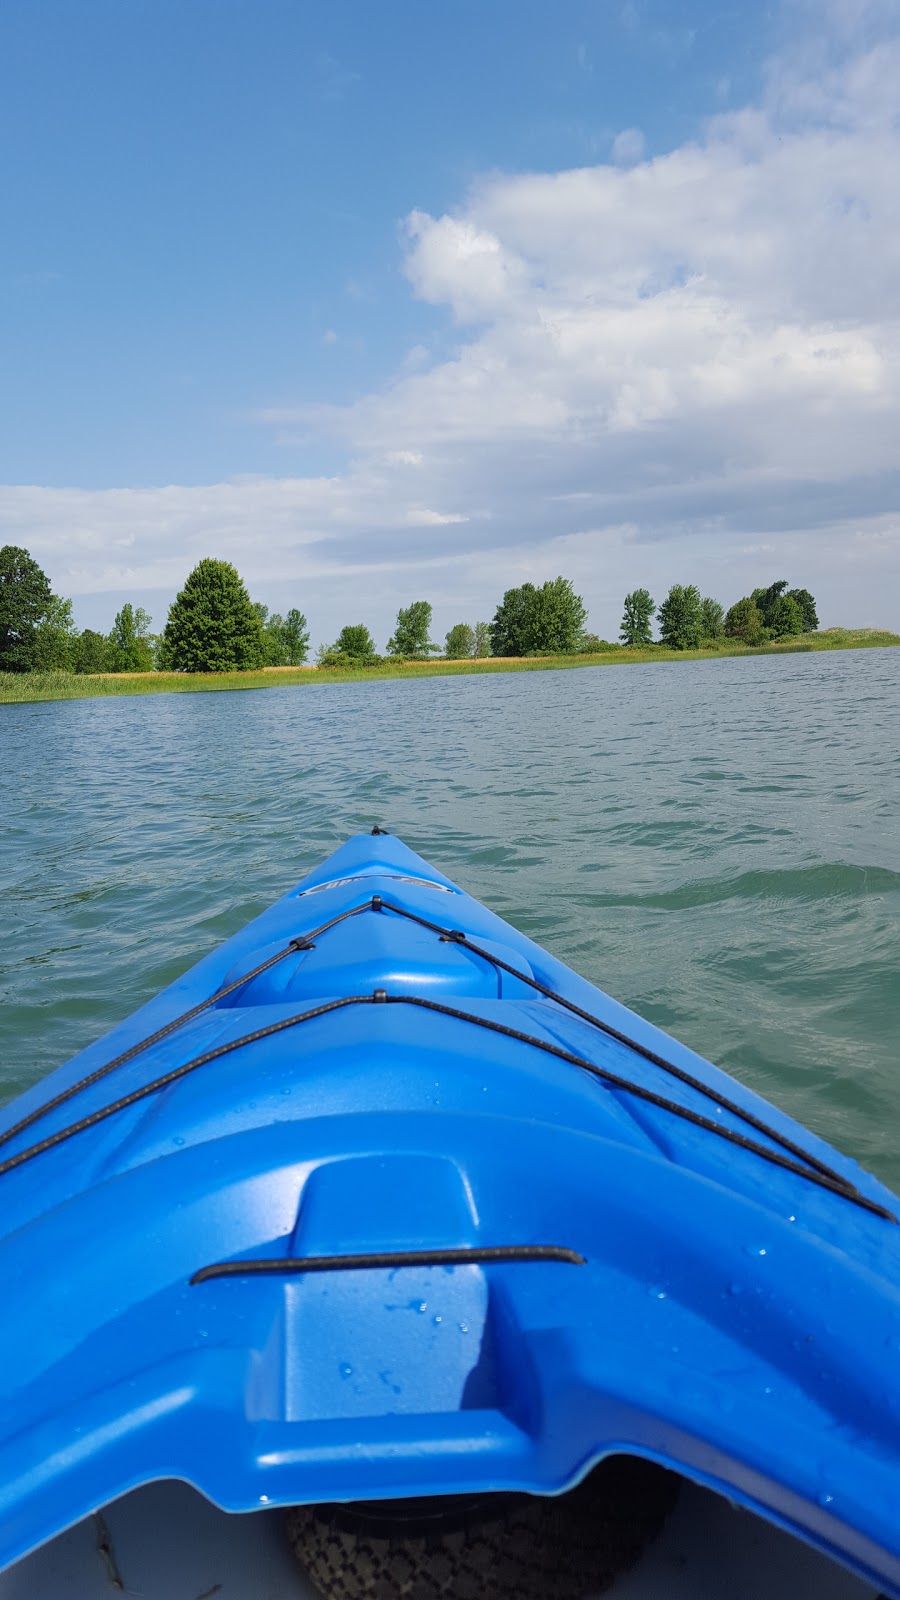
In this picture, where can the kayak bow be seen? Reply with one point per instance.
(380, 1201)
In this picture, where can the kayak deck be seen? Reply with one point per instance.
(380, 1200)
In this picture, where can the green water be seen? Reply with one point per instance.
(715, 843)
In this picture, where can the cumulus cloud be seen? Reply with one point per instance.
(683, 366)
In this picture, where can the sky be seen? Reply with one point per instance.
(428, 298)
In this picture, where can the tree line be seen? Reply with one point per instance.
(214, 626)
(687, 620)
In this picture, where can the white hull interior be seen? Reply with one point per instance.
(166, 1542)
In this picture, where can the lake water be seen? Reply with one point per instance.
(716, 843)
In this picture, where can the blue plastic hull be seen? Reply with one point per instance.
(701, 1304)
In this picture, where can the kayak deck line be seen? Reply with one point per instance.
(457, 936)
(300, 943)
(814, 1170)
(279, 1266)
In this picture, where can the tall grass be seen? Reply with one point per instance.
(25, 686)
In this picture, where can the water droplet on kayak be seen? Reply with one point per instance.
(464, 1327)
(346, 1371)
(437, 1321)
(767, 1389)
(825, 1499)
(656, 1293)
(422, 1306)
(756, 1250)
(264, 1499)
(792, 1219)
(178, 1139)
(203, 1333)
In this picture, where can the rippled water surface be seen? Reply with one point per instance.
(716, 843)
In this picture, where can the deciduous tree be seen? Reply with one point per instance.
(744, 622)
(295, 636)
(460, 642)
(680, 623)
(637, 618)
(766, 601)
(808, 608)
(274, 653)
(779, 616)
(53, 647)
(410, 637)
(91, 652)
(356, 643)
(130, 649)
(24, 603)
(712, 619)
(545, 621)
(481, 644)
(511, 627)
(786, 617)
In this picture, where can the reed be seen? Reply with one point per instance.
(30, 686)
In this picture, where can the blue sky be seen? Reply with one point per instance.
(424, 299)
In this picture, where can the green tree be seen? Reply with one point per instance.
(295, 638)
(545, 621)
(766, 601)
(481, 642)
(680, 625)
(410, 637)
(558, 618)
(24, 603)
(273, 645)
(743, 621)
(275, 652)
(91, 652)
(712, 620)
(212, 626)
(355, 643)
(53, 647)
(511, 627)
(786, 617)
(637, 618)
(130, 649)
(460, 642)
(808, 608)
(778, 614)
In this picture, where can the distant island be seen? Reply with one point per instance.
(216, 637)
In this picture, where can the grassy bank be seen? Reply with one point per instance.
(67, 686)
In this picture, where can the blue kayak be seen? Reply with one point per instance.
(381, 1203)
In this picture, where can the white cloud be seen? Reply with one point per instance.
(678, 367)
(628, 146)
(434, 519)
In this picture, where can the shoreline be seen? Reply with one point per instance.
(29, 687)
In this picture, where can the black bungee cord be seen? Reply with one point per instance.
(807, 1166)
